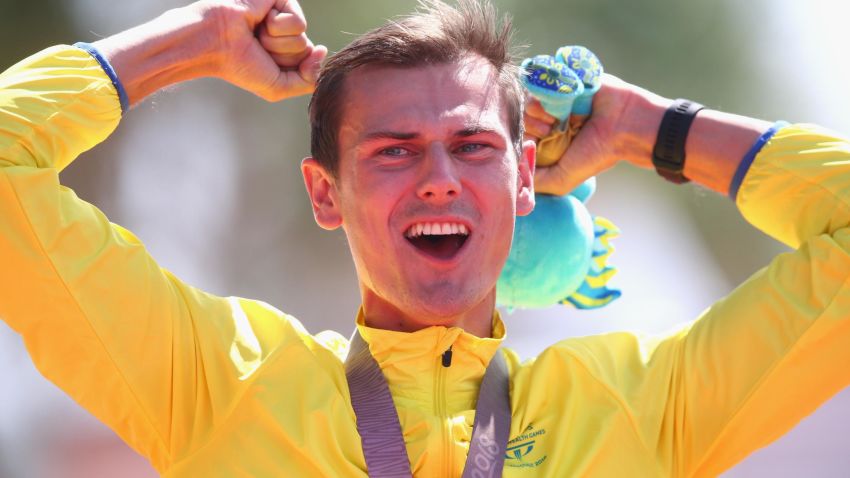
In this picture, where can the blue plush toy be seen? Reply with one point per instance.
(559, 251)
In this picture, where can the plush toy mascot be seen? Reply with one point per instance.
(559, 253)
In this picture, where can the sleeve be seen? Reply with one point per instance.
(159, 362)
(763, 358)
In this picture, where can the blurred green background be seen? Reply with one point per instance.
(207, 176)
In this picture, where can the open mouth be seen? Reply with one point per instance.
(439, 240)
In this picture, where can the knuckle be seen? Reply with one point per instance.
(298, 23)
(297, 43)
(285, 61)
(287, 24)
(286, 48)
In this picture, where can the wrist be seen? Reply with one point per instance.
(716, 142)
(715, 145)
(638, 126)
(177, 46)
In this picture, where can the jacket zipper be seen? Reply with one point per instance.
(447, 357)
(440, 403)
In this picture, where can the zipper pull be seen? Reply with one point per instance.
(447, 357)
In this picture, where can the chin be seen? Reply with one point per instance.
(444, 308)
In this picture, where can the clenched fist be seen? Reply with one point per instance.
(258, 45)
(266, 48)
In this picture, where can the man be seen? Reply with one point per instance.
(418, 154)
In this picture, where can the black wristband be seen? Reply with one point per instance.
(668, 155)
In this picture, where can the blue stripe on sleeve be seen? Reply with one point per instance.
(110, 72)
(747, 161)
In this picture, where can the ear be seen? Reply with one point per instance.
(323, 194)
(525, 178)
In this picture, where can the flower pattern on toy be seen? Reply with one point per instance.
(588, 69)
(555, 85)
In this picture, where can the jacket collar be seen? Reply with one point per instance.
(391, 347)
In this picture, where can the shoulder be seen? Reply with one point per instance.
(615, 361)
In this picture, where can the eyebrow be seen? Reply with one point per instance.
(473, 130)
(399, 135)
(378, 135)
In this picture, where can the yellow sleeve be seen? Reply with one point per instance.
(55, 105)
(782, 339)
(158, 361)
(763, 358)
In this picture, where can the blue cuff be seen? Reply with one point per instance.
(747, 161)
(110, 72)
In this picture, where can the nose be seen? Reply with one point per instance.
(440, 179)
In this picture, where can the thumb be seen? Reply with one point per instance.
(554, 179)
(310, 66)
(291, 82)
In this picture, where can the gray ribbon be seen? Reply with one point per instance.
(380, 429)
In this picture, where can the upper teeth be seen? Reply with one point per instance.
(436, 229)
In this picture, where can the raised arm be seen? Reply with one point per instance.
(767, 355)
(258, 45)
(624, 127)
(155, 359)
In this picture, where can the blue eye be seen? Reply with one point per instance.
(394, 151)
(471, 148)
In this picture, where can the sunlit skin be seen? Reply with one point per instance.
(425, 144)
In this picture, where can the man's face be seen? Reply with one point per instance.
(428, 187)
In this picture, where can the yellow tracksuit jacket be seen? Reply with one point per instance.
(207, 386)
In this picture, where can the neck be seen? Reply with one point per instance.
(381, 314)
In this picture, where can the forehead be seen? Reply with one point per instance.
(438, 97)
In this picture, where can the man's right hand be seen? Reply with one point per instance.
(258, 45)
(266, 48)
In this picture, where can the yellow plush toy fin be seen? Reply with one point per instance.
(593, 291)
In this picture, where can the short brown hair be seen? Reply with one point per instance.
(435, 34)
